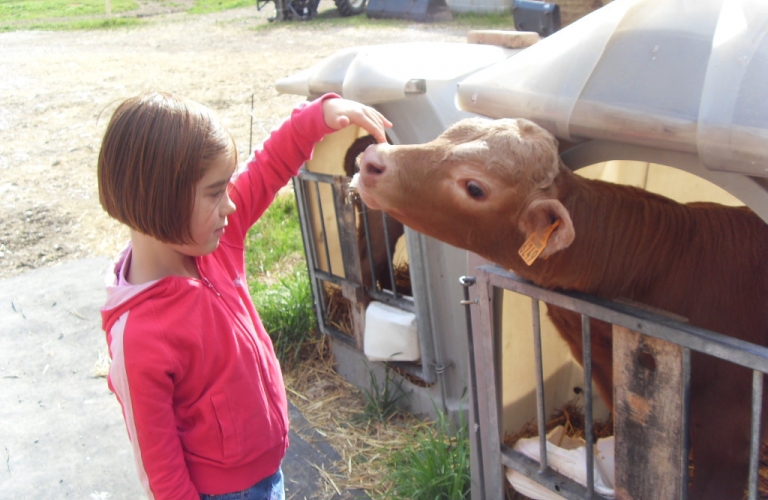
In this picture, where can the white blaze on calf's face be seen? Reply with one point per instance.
(468, 186)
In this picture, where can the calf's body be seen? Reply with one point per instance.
(486, 186)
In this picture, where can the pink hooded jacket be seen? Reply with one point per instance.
(192, 366)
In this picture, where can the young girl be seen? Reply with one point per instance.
(195, 372)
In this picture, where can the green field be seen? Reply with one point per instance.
(92, 14)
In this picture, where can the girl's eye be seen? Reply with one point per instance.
(474, 190)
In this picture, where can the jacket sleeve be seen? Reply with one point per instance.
(143, 381)
(280, 157)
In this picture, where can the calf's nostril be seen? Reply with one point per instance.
(370, 162)
(372, 168)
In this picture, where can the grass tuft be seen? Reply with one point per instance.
(273, 243)
(287, 312)
(434, 463)
(278, 279)
(381, 402)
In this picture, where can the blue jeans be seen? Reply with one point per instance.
(269, 488)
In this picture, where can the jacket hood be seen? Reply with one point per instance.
(121, 296)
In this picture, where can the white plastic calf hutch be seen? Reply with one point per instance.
(416, 324)
(640, 86)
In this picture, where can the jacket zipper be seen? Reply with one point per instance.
(208, 283)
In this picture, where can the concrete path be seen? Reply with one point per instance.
(61, 432)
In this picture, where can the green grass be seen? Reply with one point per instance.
(84, 24)
(382, 401)
(278, 280)
(330, 18)
(21, 10)
(206, 6)
(433, 465)
(274, 241)
(91, 14)
(287, 311)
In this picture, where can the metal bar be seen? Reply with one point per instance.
(347, 229)
(420, 302)
(322, 224)
(339, 335)
(402, 301)
(551, 479)
(412, 368)
(316, 177)
(488, 402)
(737, 351)
(390, 263)
(369, 245)
(309, 249)
(586, 340)
(336, 280)
(686, 423)
(474, 426)
(754, 445)
(541, 411)
(307, 228)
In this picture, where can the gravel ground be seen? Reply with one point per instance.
(59, 88)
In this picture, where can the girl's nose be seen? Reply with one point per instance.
(228, 205)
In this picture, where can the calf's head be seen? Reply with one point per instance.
(482, 185)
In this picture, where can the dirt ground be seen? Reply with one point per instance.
(58, 90)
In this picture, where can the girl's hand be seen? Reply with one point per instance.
(338, 113)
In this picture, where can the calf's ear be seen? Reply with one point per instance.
(540, 217)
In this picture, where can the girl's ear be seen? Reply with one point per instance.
(537, 222)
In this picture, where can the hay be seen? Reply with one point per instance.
(403, 279)
(338, 310)
(333, 408)
(571, 417)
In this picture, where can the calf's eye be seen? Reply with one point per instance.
(474, 190)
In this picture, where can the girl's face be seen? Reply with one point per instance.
(211, 208)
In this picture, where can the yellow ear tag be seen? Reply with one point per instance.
(536, 243)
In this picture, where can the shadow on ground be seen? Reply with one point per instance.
(61, 432)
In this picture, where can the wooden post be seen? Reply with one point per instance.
(648, 388)
(108, 8)
(352, 290)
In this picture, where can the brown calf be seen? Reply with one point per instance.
(486, 186)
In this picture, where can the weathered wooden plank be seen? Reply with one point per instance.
(648, 384)
(352, 289)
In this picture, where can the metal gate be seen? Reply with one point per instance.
(489, 452)
(311, 189)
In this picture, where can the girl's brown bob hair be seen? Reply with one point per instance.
(156, 148)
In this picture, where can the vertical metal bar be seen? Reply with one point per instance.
(419, 270)
(474, 427)
(686, 424)
(586, 340)
(310, 230)
(337, 216)
(540, 406)
(754, 445)
(310, 250)
(391, 264)
(369, 244)
(487, 377)
(322, 224)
